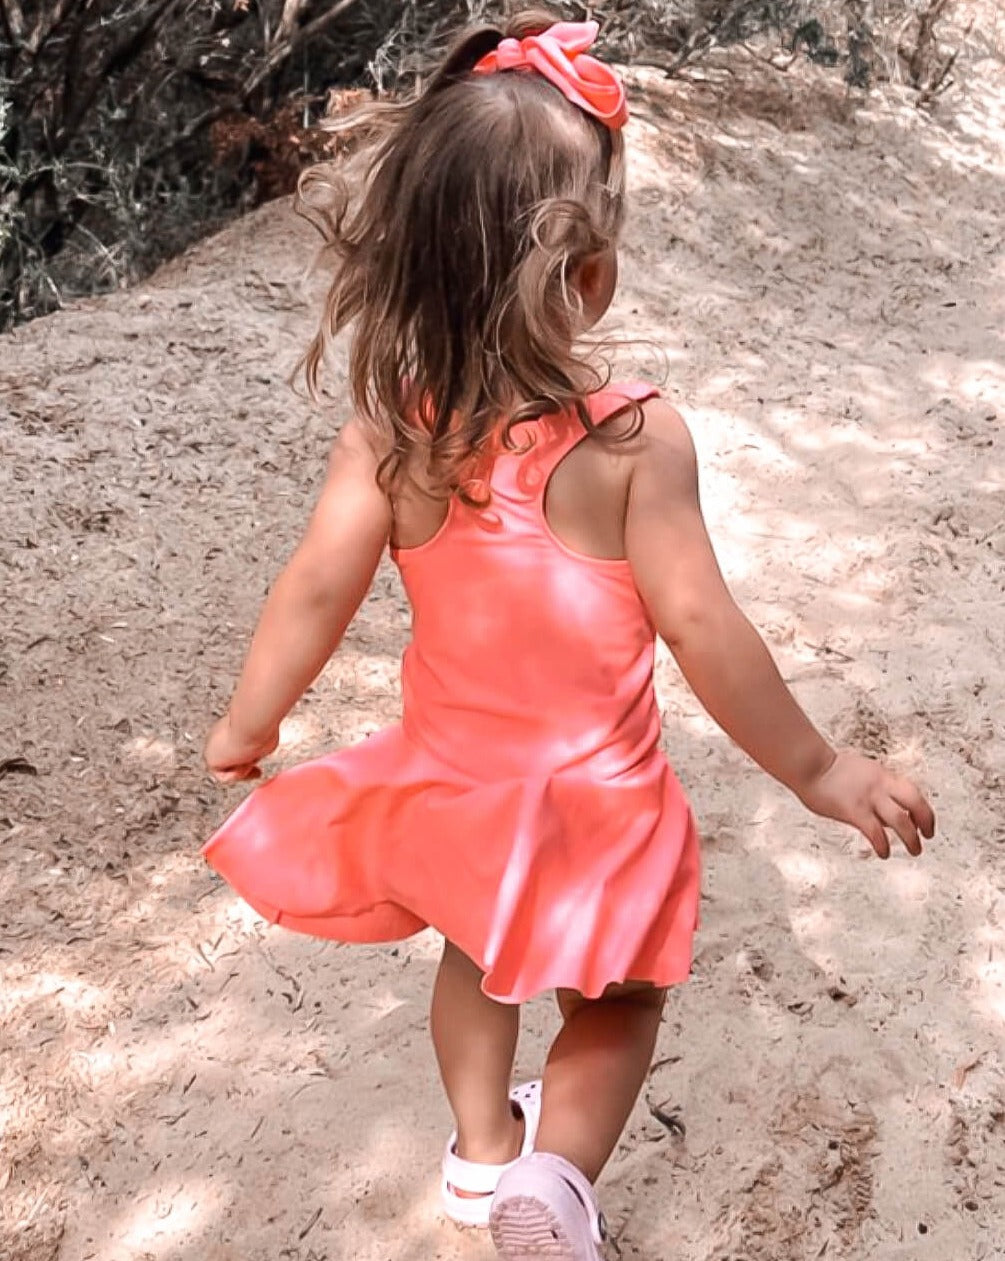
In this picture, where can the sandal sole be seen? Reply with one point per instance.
(525, 1227)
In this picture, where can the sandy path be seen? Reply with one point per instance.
(178, 1083)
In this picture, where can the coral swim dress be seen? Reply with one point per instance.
(523, 806)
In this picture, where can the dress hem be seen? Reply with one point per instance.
(388, 922)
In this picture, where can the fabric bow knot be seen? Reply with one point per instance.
(559, 55)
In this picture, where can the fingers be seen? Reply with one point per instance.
(899, 805)
(893, 815)
(872, 829)
(234, 773)
(909, 797)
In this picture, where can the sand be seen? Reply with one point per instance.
(825, 279)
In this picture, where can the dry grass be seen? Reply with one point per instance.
(127, 130)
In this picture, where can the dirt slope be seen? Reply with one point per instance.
(826, 280)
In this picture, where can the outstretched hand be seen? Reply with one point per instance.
(857, 790)
(231, 756)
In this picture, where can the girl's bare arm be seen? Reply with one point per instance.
(309, 607)
(724, 659)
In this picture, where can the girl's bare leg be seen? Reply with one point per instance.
(475, 1040)
(595, 1070)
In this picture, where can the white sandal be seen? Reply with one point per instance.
(478, 1181)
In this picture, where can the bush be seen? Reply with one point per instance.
(109, 114)
(130, 127)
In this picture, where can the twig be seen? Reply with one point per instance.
(310, 1225)
(926, 37)
(13, 20)
(187, 132)
(40, 36)
(288, 19)
(706, 39)
(103, 249)
(121, 55)
(941, 80)
(781, 67)
(282, 51)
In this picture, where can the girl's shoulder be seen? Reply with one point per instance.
(662, 456)
(636, 412)
(363, 438)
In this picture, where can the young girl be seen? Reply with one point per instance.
(547, 527)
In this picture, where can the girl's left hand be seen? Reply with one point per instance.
(231, 756)
(860, 791)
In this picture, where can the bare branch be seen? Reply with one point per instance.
(704, 39)
(121, 54)
(192, 128)
(288, 21)
(282, 51)
(13, 20)
(925, 40)
(939, 79)
(39, 37)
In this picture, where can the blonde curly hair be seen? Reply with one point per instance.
(452, 231)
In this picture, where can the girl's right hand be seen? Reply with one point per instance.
(231, 756)
(857, 790)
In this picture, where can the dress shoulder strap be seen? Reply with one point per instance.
(616, 397)
(529, 473)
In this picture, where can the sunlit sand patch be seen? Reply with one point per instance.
(153, 752)
(300, 729)
(243, 918)
(911, 883)
(700, 724)
(804, 869)
(989, 978)
(71, 993)
(975, 380)
(813, 925)
(156, 1221)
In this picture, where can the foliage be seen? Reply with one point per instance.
(129, 127)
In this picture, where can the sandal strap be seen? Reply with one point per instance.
(527, 1098)
(467, 1186)
(471, 1176)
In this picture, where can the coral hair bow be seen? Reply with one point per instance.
(559, 55)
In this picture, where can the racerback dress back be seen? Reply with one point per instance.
(522, 806)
